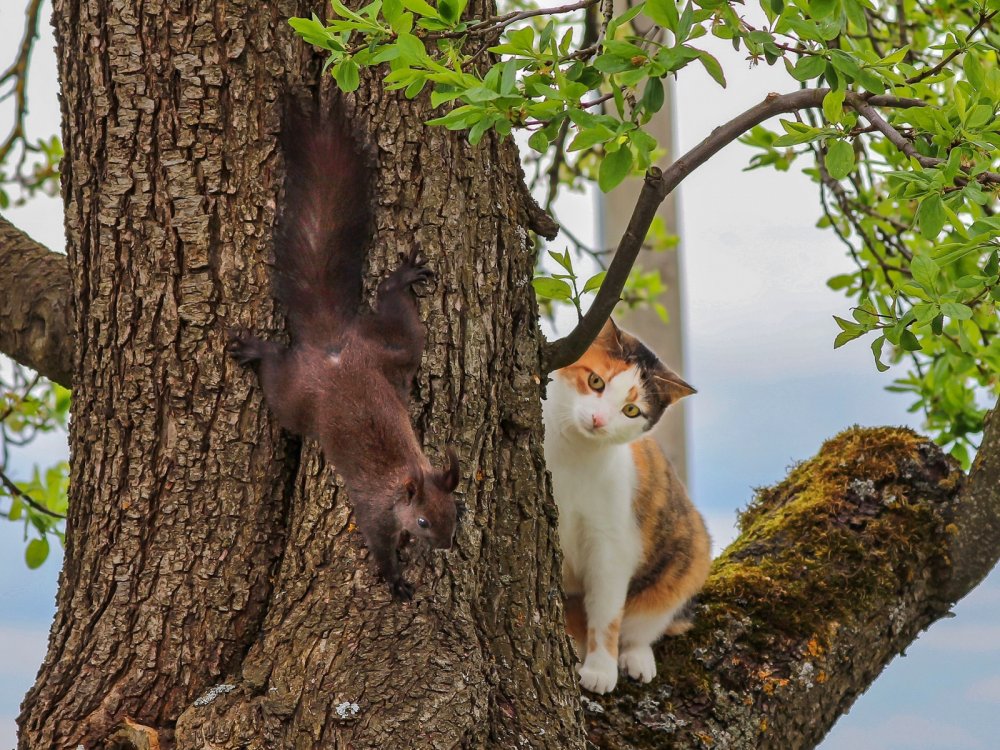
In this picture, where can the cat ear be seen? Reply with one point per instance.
(447, 479)
(671, 385)
(610, 337)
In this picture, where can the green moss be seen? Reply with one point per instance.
(830, 546)
(839, 535)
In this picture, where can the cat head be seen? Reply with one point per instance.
(426, 507)
(614, 393)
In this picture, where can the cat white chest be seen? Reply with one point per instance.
(597, 527)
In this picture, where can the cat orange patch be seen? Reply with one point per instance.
(595, 359)
(611, 637)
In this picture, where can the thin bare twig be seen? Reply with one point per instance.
(984, 18)
(17, 74)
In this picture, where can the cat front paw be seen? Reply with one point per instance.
(638, 663)
(599, 673)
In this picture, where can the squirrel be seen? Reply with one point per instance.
(346, 378)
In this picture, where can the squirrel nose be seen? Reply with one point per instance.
(598, 421)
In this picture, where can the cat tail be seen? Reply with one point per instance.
(324, 226)
(684, 620)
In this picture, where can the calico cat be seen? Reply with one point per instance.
(635, 550)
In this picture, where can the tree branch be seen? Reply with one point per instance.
(659, 184)
(836, 571)
(656, 188)
(900, 141)
(35, 317)
(984, 18)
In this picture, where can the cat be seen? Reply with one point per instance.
(635, 550)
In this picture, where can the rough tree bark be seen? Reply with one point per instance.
(215, 593)
(203, 548)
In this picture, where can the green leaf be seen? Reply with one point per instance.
(974, 71)
(809, 67)
(823, 8)
(539, 141)
(844, 336)
(549, 288)
(931, 216)
(594, 282)
(563, 259)
(924, 270)
(36, 552)
(713, 67)
(908, 341)
(347, 75)
(839, 159)
(614, 168)
(833, 105)
(421, 7)
(956, 310)
(652, 97)
(624, 18)
(590, 137)
(840, 282)
(877, 345)
(664, 12)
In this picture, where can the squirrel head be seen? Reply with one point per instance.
(426, 507)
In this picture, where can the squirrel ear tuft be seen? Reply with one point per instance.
(447, 479)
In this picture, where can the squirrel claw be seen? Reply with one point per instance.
(413, 269)
(243, 347)
(401, 589)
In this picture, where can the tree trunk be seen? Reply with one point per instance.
(203, 547)
(215, 593)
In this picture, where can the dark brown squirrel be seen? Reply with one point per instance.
(346, 378)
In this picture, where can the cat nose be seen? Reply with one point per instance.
(599, 421)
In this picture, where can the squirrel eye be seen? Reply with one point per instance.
(631, 411)
(422, 523)
(596, 382)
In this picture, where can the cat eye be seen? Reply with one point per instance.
(596, 382)
(422, 523)
(631, 411)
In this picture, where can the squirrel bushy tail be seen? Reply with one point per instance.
(322, 231)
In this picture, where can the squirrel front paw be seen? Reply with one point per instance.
(401, 589)
(413, 269)
(244, 348)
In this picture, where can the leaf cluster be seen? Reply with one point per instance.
(29, 406)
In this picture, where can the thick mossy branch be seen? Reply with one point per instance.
(835, 571)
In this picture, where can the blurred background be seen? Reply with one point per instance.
(758, 343)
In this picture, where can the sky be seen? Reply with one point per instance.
(759, 333)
